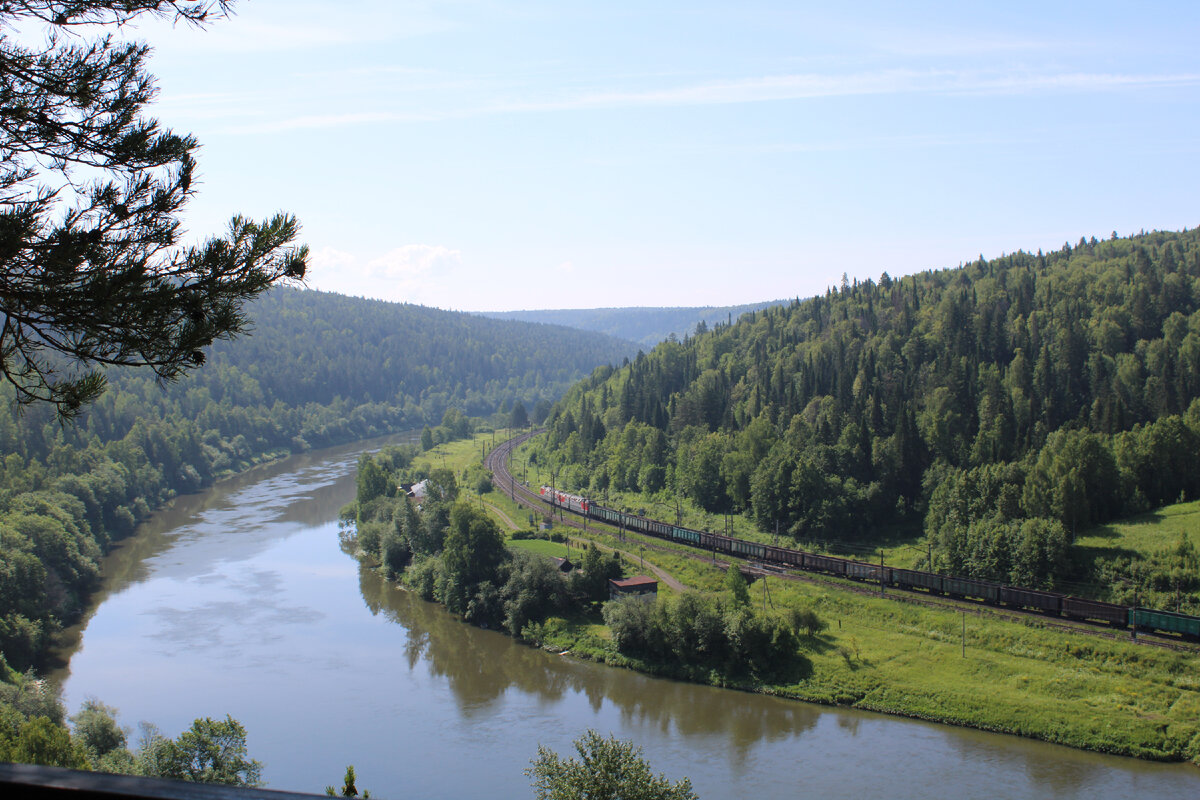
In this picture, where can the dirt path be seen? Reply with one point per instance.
(505, 518)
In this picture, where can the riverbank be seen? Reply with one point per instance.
(240, 601)
(957, 668)
(1005, 677)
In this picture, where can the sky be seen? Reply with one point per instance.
(517, 155)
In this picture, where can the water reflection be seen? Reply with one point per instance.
(480, 667)
(239, 601)
(232, 521)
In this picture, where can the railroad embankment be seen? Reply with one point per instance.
(961, 667)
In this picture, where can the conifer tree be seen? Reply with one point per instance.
(92, 270)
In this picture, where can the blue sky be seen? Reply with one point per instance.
(502, 155)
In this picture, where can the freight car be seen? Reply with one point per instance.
(970, 587)
(1169, 621)
(1031, 598)
(1078, 608)
(916, 579)
(967, 588)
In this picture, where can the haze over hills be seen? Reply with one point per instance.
(645, 325)
(311, 346)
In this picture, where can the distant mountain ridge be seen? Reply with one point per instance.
(645, 325)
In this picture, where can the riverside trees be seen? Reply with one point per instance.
(33, 731)
(607, 769)
(455, 554)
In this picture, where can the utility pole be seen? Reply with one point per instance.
(964, 634)
(1133, 622)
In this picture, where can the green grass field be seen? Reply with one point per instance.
(1110, 696)
(1078, 690)
(540, 546)
(1084, 691)
(461, 454)
(1144, 534)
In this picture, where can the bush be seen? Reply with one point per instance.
(805, 619)
(694, 630)
(423, 575)
(529, 534)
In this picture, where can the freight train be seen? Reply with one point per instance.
(963, 588)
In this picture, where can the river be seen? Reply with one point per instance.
(238, 601)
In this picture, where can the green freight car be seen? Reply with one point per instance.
(1167, 621)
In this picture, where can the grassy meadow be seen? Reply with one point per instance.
(1144, 534)
(971, 669)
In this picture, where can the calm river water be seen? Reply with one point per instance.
(238, 601)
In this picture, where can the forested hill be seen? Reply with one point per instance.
(313, 346)
(319, 369)
(644, 325)
(314, 350)
(999, 407)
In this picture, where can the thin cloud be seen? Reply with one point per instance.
(415, 262)
(772, 88)
(410, 273)
(887, 82)
(329, 121)
(329, 259)
(1074, 82)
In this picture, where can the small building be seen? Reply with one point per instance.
(637, 586)
(563, 564)
(418, 491)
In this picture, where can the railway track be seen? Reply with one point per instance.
(497, 462)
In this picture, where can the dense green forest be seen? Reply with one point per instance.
(646, 326)
(313, 347)
(992, 410)
(319, 369)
